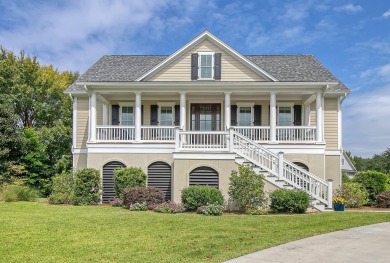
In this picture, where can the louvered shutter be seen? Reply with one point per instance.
(153, 114)
(257, 115)
(297, 115)
(177, 115)
(233, 115)
(115, 114)
(194, 66)
(217, 66)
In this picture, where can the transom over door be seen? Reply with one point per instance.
(206, 117)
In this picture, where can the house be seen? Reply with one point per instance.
(189, 118)
(347, 165)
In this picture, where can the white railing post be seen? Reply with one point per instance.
(231, 140)
(281, 166)
(330, 193)
(177, 139)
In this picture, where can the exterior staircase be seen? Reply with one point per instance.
(281, 172)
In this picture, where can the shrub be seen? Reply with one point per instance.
(148, 195)
(246, 188)
(383, 199)
(169, 208)
(128, 177)
(196, 196)
(61, 189)
(373, 182)
(14, 193)
(87, 185)
(210, 210)
(116, 202)
(138, 207)
(289, 201)
(354, 194)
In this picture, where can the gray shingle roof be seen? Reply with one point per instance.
(291, 68)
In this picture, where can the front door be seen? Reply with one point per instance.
(206, 117)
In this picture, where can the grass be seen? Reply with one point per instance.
(38, 232)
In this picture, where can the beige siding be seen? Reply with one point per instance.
(331, 123)
(99, 113)
(313, 114)
(82, 122)
(231, 69)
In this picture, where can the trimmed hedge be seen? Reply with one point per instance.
(87, 186)
(128, 177)
(354, 194)
(289, 201)
(374, 182)
(196, 196)
(149, 195)
(61, 189)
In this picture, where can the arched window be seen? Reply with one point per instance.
(302, 165)
(160, 176)
(108, 180)
(204, 176)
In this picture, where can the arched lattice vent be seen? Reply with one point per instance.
(204, 176)
(159, 176)
(108, 180)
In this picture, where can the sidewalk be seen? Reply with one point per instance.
(361, 244)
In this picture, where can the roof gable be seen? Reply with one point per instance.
(206, 35)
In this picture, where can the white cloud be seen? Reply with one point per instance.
(387, 13)
(74, 34)
(365, 122)
(350, 8)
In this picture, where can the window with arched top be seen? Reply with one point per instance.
(204, 176)
(302, 165)
(108, 180)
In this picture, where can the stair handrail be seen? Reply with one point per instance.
(319, 195)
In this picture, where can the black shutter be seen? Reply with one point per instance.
(233, 115)
(153, 115)
(297, 115)
(115, 114)
(257, 115)
(194, 66)
(217, 66)
(177, 115)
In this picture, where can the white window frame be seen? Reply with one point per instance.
(200, 67)
(126, 104)
(245, 105)
(285, 104)
(166, 104)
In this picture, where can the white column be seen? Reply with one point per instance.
(74, 139)
(319, 117)
(105, 114)
(227, 110)
(92, 110)
(137, 116)
(183, 111)
(272, 117)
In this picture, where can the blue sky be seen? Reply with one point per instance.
(351, 38)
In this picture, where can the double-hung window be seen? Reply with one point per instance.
(245, 114)
(206, 65)
(126, 114)
(166, 114)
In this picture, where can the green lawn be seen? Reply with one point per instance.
(38, 232)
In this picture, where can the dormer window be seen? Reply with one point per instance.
(206, 66)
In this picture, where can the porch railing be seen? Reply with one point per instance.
(295, 133)
(114, 133)
(302, 134)
(158, 133)
(201, 141)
